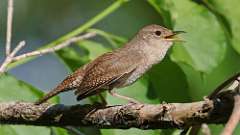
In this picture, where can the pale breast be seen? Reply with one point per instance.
(135, 75)
(151, 55)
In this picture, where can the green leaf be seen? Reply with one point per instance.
(205, 44)
(89, 50)
(94, 49)
(230, 10)
(23, 130)
(114, 40)
(162, 76)
(132, 131)
(71, 58)
(203, 84)
(59, 131)
(13, 90)
(86, 51)
(7, 130)
(161, 6)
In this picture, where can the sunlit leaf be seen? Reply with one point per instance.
(205, 40)
(12, 89)
(205, 44)
(59, 131)
(132, 131)
(230, 10)
(23, 130)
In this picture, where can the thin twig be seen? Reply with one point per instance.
(9, 27)
(10, 57)
(205, 129)
(55, 48)
(196, 129)
(17, 48)
(235, 116)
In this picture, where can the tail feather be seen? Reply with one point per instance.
(49, 95)
(71, 82)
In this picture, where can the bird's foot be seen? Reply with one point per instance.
(205, 98)
(133, 101)
(130, 100)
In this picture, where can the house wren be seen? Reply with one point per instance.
(121, 67)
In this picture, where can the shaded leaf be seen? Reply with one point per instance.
(72, 59)
(161, 6)
(138, 91)
(94, 49)
(114, 40)
(203, 84)
(167, 78)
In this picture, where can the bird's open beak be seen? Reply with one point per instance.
(174, 37)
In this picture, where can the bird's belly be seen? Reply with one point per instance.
(130, 80)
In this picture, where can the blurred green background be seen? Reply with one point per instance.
(210, 55)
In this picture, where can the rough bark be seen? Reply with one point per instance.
(144, 116)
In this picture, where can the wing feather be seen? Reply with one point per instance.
(104, 71)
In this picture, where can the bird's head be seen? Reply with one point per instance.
(158, 36)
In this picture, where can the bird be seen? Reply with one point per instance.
(119, 68)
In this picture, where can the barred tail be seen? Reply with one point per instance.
(52, 93)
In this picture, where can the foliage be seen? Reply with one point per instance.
(190, 71)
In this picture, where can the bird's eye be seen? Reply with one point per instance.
(158, 33)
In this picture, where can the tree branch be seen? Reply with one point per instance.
(144, 116)
(230, 84)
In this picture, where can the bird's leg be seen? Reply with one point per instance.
(131, 100)
(103, 100)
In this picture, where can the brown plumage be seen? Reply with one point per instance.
(119, 68)
(105, 72)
